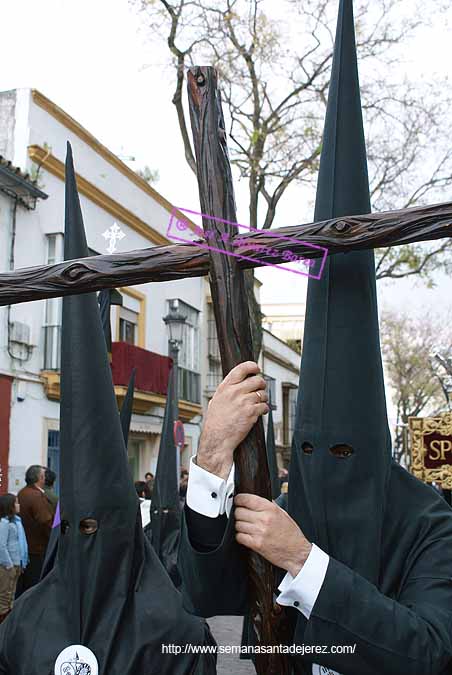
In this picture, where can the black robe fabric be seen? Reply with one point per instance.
(271, 454)
(388, 586)
(107, 591)
(164, 527)
(52, 545)
(125, 416)
(108, 297)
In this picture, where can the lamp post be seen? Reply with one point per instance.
(175, 322)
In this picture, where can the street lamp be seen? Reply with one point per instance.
(175, 322)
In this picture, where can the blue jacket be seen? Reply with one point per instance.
(13, 543)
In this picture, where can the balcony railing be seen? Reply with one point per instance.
(152, 369)
(152, 372)
(214, 374)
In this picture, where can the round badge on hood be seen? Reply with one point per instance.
(76, 660)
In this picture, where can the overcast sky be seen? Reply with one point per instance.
(89, 58)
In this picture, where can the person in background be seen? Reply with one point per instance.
(149, 479)
(13, 551)
(144, 495)
(183, 487)
(50, 478)
(283, 499)
(283, 476)
(37, 519)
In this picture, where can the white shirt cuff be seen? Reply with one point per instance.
(208, 494)
(302, 591)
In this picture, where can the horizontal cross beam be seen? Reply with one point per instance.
(177, 261)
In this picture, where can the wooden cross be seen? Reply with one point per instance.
(163, 263)
(177, 261)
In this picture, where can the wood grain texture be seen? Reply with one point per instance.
(164, 263)
(227, 284)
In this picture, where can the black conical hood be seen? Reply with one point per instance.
(339, 501)
(165, 507)
(52, 545)
(165, 493)
(126, 408)
(104, 301)
(108, 297)
(95, 476)
(125, 418)
(271, 454)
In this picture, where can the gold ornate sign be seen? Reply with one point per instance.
(431, 449)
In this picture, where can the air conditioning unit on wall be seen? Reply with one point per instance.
(20, 333)
(19, 343)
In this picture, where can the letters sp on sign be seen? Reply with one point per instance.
(431, 449)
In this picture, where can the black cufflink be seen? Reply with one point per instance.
(213, 494)
(296, 603)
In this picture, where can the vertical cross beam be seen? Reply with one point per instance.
(227, 285)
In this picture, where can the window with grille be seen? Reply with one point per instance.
(214, 373)
(289, 398)
(53, 307)
(189, 353)
(127, 331)
(128, 326)
(271, 389)
(293, 393)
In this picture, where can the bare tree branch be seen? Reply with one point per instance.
(407, 345)
(276, 95)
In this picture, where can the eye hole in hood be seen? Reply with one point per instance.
(342, 450)
(307, 448)
(88, 526)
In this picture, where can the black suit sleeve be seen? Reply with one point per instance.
(207, 662)
(206, 534)
(410, 636)
(211, 566)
